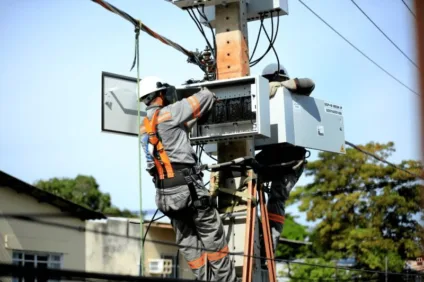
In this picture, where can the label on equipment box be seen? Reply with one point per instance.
(333, 109)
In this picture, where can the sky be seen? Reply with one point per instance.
(54, 51)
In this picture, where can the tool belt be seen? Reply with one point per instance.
(185, 175)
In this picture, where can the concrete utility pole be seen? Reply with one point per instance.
(232, 62)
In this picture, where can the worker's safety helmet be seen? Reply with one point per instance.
(151, 86)
(274, 73)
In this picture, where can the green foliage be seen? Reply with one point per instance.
(304, 272)
(82, 190)
(293, 231)
(366, 209)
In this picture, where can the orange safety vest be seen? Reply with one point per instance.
(163, 160)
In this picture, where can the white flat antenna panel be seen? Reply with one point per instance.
(119, 104)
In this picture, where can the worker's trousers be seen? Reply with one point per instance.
(199, 232)
(279, 194)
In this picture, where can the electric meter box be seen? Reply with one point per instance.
(306, 122)
(255, 9)
(195, 3)
(240, 112)
(302, 121)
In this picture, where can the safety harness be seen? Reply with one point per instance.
(183, 175)
(159, 155)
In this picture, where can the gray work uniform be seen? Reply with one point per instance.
(280, 186)
(199, 228)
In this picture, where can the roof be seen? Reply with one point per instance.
(158, 224)
(66, 206)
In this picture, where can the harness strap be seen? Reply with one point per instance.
(164, 161)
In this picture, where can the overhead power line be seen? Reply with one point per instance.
(139, 25)
(382, 32)
(382, 160)
(407, 6)
(44, 274)
(357, 49)
(128, 237)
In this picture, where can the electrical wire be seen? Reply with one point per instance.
(357, 49)
(257, 38)
(383, 160)
(255, 62)
(271, 42)
(200, 28)
(192, 57)
(26, 271)
(407, 6)
(203, 15)
(150, 223)
(104, 233)
(382, 32)
(209, 155)
(44, 274)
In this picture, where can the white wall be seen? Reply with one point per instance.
(26, 236)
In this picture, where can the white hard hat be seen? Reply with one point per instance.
(272, 69)
(149, 85)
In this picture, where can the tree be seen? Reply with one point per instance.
(366, 210)
(84, 191)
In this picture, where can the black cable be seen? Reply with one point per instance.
(255, 62)
(209, 155)
(357, 49)
(104, 233)
(199, 26)
(272, 40)
(410, 8)
(203, 15)
(383, 160)
(257, 38)
(200, 154)
(385, 35)
(148, 227)
(45, 274)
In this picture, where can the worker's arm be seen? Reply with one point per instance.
(302, 86)
(188, 110)
(148, 153)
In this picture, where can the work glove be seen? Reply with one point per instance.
(273, 87)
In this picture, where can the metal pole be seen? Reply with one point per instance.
(386, 269)
(419, 14)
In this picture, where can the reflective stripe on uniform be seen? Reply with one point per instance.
(218, 255)
(198, 263)
(163, 117)
(195, 106)
(276, 217)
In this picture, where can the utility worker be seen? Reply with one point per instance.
(180, 193)
(283, 177)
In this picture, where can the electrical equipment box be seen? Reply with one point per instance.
(302, 121)
(160, 266)
(195, 3)
(119, 104)
(306, 122)
(242, 110)
(255, 8)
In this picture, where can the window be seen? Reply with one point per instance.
(40, 260)
(174, 259)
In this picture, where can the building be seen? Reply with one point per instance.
(120, 253)
(30, 243)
